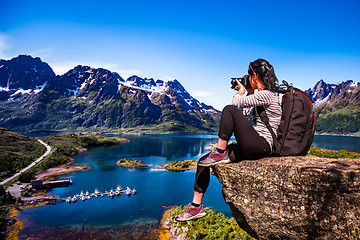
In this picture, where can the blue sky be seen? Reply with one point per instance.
(201, 43)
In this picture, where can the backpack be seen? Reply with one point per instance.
(297, 126)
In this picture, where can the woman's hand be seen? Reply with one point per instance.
(240, 88)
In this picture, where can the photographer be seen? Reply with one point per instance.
(253, 141)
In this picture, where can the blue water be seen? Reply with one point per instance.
(156, 187)
(337, 142)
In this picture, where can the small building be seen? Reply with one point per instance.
(39, 184)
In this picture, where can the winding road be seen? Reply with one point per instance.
(48, 150)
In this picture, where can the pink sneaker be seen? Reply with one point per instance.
(214, 158)
(191, 213)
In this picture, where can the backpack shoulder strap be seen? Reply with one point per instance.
(264, 117)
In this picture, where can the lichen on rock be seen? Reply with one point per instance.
(294, 197)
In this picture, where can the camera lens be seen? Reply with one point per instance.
(234, 83)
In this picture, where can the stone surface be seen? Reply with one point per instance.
(294, 197)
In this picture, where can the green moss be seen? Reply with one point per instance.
(214, 226)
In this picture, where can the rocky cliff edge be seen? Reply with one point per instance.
(294, 197)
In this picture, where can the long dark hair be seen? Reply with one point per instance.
(266, 73)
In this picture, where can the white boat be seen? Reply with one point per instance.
(133, 191)
(68, 199)
(74, 198)
(82, 198)
(87, 193)
(128, 191)
(87, 197)
(119, 188)
(97, 192)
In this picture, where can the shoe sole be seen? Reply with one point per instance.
(214, 163)
(199, 215)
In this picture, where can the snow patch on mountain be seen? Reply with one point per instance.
(323, 92)
(25, 91)
(171, 88)
(4, 89)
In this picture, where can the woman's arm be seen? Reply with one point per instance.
(260, 98)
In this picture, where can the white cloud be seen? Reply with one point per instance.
(3, 46)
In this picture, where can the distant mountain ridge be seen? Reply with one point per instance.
(323, 92)
(337, 107)
(32, 96)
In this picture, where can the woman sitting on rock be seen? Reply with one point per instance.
(253, 141)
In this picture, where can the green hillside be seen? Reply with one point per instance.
(16, 152)
(341, 115)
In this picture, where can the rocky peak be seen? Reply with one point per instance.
(24, 73)
(323, 92)
(82, 80)
(139, 82)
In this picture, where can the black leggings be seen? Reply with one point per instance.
(249, 144)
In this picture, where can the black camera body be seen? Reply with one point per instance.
(244, 81)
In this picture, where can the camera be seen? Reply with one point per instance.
(244, 81)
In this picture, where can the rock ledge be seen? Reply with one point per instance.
(294, 197)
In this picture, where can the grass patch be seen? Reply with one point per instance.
(179, 165)
(326, 153)
(16, 152)
(214, 226)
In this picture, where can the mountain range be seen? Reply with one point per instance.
(32, 97)
(337, 107)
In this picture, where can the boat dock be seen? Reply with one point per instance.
(112, 193)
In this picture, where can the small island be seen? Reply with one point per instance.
(180, 166)
(130, 163)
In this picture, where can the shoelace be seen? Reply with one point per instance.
(187, 210)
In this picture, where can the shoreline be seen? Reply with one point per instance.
(164, 233)
(337, 135)
(50, 173)
(13, 230)
(46, 175)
